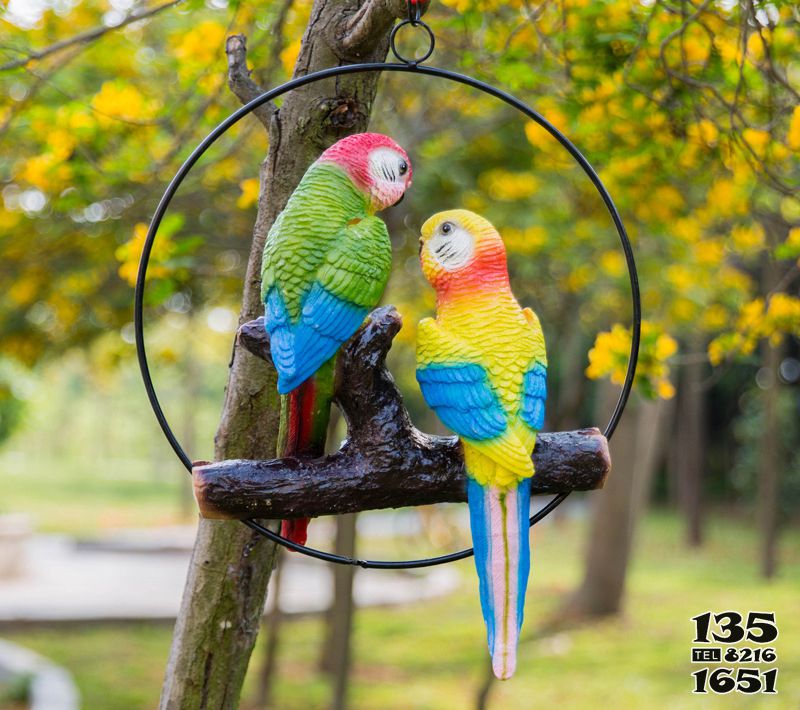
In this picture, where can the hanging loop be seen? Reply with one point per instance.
(403, 67)
(414, 14)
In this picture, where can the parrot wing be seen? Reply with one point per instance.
(462, 395)
(457, 387)
(534, 394)
(348, 283)
(534, 382)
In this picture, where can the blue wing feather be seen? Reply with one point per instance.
(534, 394)
(462, 397)
(281, 338)
(300, 349)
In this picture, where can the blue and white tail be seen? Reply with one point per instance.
(499, 522)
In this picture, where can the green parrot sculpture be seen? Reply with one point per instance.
(326, 263)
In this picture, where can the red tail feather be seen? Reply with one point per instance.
(300, 442)
(295, 530)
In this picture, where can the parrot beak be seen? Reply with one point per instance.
(402, 197)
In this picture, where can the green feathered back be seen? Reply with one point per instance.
(326, 234)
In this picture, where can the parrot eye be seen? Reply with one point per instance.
(403, 167)
(447, 228)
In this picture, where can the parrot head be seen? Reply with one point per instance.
(459, 248)
(376, 165)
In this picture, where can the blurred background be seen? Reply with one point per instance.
(688, 110)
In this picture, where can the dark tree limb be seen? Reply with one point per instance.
(240, 81)
(355, 33)
(386, 461)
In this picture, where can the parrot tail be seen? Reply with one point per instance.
(304, 426)
(499, 522)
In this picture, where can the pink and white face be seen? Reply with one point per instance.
(390, 176)
(376, 164)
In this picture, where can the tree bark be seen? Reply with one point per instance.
(769, 464)
(635, 448)
(428, 469)
(272, 625)
(229, 572)
(690, 447)
(336, 652)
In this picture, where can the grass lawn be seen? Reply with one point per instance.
(433, 655)
(79, 499)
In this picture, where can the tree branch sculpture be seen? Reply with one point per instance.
(386, 461)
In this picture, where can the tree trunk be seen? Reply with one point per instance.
(273, 626)
(690, 447)
(336, 654)
(635, 451)
(769, 463)
(223, 600)
(191, 395)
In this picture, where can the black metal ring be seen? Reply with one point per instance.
(234, 118)
(413, 23)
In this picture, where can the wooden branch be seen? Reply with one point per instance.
(240, 81)
(386, 461)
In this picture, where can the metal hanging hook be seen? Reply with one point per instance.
(414, 20)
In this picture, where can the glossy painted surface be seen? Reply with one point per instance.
(482, 366)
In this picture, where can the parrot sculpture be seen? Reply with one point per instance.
(326, 261)
(482, 367)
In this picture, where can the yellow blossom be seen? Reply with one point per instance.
(716, 352)
(609, 358)
(130, 252)
(524, 241)
(680, 277)
(748, 238)
(117, 100)
(665, 389)
(715, 317)
(704, 132)
(793, 136)
(666, 346)
(688, 229)
(202, 45)
(758, 140)
(751, 315)
(289, 55)
(755, 46)
(726, 198)
(508, 186)
(579, 277)
(709, 252)
(249, 196)
(612, 263)
(734, 280)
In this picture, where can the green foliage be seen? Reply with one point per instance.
(748, 431)
(689, 113)
(15, 691)
(97, 129)
(11, 405)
